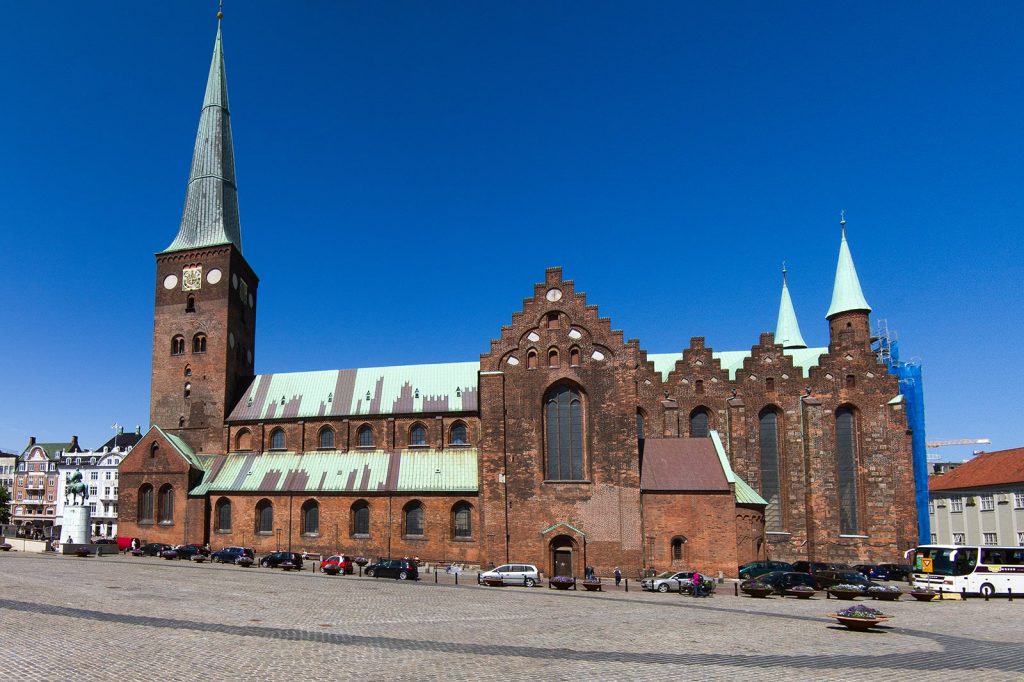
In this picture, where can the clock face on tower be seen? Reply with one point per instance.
(192, 278)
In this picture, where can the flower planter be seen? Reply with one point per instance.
(923, 596)
(198, 558)
(847, 595)
(886, 596)
(169, 554)
(858, 624)
(6, 547)
(592, 586)
(82, 552)
(138, 552)
(561, 584)
(800, 594)
(758, 592)
(244, 562)
(360, 561)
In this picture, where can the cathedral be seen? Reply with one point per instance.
(564, 445)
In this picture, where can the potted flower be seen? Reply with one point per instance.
(562, 582)
(244, 561)
(592, 584)
(923, 593)
(859, 617)
(360, 561)
(138, 552)
(846, 591)
(169, 554)
(82, 552)
(800, 591)
(6, 547)
(756, 589)
(885, 592)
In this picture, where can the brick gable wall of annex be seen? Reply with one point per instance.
(705, 525)
(389, 433)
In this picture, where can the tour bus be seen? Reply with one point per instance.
(985, 570)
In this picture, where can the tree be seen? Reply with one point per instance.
(5, 509)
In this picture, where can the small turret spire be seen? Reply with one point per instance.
(787, 329)
(847, 295)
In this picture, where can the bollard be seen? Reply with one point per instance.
(456, 578)
(985, 594)
(574, 583)
(963, 593)
(435, 577)
(627, 584)
(735, 589)
(360, 571)
(940, 592)
(1010, 592)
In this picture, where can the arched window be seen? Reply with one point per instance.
(199, 343)
(223, 515)
(190, 304)
(277, 439)
(188, 370)
(418, 435)
(360, 518)
(563, 421)
(459, 434)
(178, 345)
(768, 436)
(146, 503)
(243, 441)
(188, 389)
(365, 435)
(553, 357)
(574, 357)
(462, 520)
(698, 387)
(264, 517)
(677, 548)
(846, 464)
(165, 505)
(700, 424)
(531, 359)
(327, 438)
(153, 449)
(552, 320)
(414, 518)
(310, 518)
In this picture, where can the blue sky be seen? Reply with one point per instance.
(407, 170)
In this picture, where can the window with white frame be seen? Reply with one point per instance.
(1018, 500)
(988, 502)
(935, 538)
(94, 476)
(108, 475)
(1020, 538)
(989, 538)
(958, 538)
(92, 507)
(931, 507)
(956, 504)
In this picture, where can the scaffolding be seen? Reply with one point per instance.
(886, 347)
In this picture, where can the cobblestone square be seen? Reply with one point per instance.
(146, 619)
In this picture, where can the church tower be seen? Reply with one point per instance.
(848, 324)
(205, 318)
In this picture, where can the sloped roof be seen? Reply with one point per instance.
(787, 329)
(354, 471)
(846, 292)
(1002, 467)
(123, 440)
(677, 464)
(198, 461)
(52, 450)
(407, 389)
(747, 495)
(732, 360)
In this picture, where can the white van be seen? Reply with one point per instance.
(514, 574)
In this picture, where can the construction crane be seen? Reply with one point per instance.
(961, 441)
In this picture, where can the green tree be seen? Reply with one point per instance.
(5, 510)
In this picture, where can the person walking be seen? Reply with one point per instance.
(695, 581)
(618, 576)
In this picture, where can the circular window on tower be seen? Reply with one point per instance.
(554, 295)
(213, 276)
(170, 281)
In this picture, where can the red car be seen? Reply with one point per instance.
(339, 562)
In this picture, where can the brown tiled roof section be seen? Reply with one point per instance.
(682, 464)
(989, 469)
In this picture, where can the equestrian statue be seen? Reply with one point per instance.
(73, 487)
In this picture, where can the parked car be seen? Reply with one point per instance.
(403, 569)
(105, 541)
(154, 549)
(780, 581)
(668, 581)
(812, 566)
(872, 571)
(275, 559)
(756, 568)
(514, 574)
(342, 563)
(827, 579)
(189, 551)
(898, 571)
(230, 555)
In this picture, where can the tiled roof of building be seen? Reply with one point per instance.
(448, 387)
(675, 464)
(989, 469)
(732, 360)
(52, 450)
(121, 440)
(370, 471)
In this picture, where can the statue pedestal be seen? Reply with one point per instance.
(77, 525)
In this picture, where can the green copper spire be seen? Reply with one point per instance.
(846, 293)
(787, 329)
(210, 216)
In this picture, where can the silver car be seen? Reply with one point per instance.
(668, 581)
(514, 574)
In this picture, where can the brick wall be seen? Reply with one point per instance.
(707, 521)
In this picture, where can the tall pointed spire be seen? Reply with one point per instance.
(787, 330)
(846, 293)
(210, 216)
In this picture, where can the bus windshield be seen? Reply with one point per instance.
(946, 561)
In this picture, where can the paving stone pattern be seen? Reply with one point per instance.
(146, 619)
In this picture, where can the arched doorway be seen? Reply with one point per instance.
(563, 550)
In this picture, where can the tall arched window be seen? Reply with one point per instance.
(846, 465)
(222, 515)
(264, 517)
(418, 435)
(531, 359)
(677, 548)
(199, 343)
(146, 504)
(360, 518)
(700, 423)
(365, 435)
(277, 439)
(553, 357)
(327, 438)
(574, 357)
(414, 518)
(190, 304)
(459, 434)
(768, 437)
(243, 441)
(178, 345)
(462, 520)
(165, 505)
(639, 425)
(563, 421)
(310, 518)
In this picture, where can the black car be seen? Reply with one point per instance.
(230, 555)
(402, 569)
(276, 559)
(780, 581)
(756, 568)
(815, 566)
(154, 549)
(897, 571)
(189, 551)
(872, 571)
(827, 579)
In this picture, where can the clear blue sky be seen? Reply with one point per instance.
(407, 170)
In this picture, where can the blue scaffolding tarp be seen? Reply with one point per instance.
(909, 377)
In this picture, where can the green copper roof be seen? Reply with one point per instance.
(743, 492)
(747, 495)
(355, 471)
(787, 329)
(183, 449)
(407, 389)
(732, 360)
(210, 216)
(846, 292)
(52, 450)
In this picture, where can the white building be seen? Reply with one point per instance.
(99, 472)
(980, 502)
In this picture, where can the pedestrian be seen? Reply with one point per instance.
(695, 581)
(618, 576)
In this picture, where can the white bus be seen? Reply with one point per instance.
(974, 569)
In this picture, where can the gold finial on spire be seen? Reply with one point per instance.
(842, 217)
(220, 10)
(783, 272)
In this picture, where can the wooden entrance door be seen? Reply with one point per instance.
(563, 562)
